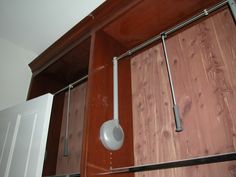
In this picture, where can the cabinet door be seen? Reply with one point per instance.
(23, 136)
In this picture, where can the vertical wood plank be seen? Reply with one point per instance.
(99, 108)
(151, 108)
(224, 28)
(203, 64)
(71, 163)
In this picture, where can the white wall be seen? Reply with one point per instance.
(36, 24)
(15, 74)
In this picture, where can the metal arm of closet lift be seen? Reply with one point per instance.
(69, 87)
(66, 149)
(184, 162)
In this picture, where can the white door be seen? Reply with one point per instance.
(23, 136)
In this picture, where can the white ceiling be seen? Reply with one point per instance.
(35, 24)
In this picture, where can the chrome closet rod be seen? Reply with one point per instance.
(72, 84)
(216, 158)
(205, 12)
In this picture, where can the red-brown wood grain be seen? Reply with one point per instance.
(104, 14)
(71, 65)
(96, 158)
(203, 63)
(71, 163)
(43, 84)
(124, 22)
(202, 60)
(53, 136)
(152, 17)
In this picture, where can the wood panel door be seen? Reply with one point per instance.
(23, 135)
(203, 63)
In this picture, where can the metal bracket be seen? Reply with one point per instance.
(232, 6)
(205, 12)
(163, 34)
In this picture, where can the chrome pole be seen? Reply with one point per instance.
(74, 83)
(175, 106)
(66, 143)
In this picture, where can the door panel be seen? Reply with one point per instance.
(23, 135)
(7, 128)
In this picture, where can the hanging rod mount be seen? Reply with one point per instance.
(71, 86)
(205, 12)
(163, 34)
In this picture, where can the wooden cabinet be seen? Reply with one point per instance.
(203, 70)
(71, 66)
(202, 58)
